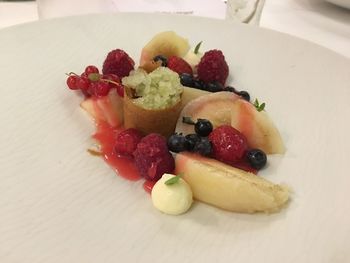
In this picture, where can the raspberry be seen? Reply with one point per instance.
(118, 62)
(179, 65)
(126, 142)
(213, 67)
(152, 157)
(229, 145)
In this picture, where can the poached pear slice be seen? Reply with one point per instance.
(257, 127)
(108, 108)
(215, 107)
(226, 108)
(166, 43)
(229, 188)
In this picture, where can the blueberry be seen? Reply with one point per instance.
(186, 80)
(214, 86)
(191, 140)
(230, 89)
(203, 127)
(177, 143)
(161, 58)
(245, 95)
(198, 84)
(203, 147)
(256, 158)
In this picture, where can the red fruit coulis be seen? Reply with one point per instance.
(124, 166)
(244, 165)
(148, 186)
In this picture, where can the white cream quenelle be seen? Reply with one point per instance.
(173, 199)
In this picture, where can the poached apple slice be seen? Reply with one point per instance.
(227, 108)
(257, 127)
(166, 43)
(89, 106)
(229, 188)
(215, 107)
(190, 94)
(108, 108)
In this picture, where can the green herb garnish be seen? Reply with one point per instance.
(196, 49)
(71, 74)
(173, 180)
(258, 106)
(188, 120)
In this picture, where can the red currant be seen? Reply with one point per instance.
(86, 93)
(91, 69)
(84, 75)
(72, 82)
(101, 88)
(91, 88)
(83, 83)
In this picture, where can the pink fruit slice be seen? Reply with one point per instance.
(190, 94)
(227, 108)
(112, 107)
(215, 107)
(166, 43)
(229, 188)
(90, 106)
(257, 127)
(108, 108)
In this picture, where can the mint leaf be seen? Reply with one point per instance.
(173, 180)
(256, 103)
(196, 49)
(259, 107)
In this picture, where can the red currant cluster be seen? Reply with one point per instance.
(92, 83)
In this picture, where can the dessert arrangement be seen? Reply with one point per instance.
(173, 121)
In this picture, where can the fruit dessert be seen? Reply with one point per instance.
(173, 121)
(152, 102)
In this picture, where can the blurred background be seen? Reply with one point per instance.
(319, 21)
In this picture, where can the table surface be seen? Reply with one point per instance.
(313, 20)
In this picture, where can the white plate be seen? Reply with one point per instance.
(59, 204)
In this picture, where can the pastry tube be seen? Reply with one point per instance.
(152, 101)
(162, 121)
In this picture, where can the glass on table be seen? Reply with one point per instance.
(57, 8)
(244, 11)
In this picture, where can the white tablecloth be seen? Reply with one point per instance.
(314, 20)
